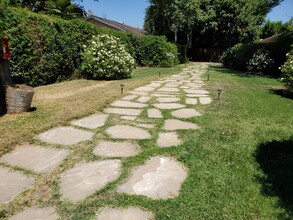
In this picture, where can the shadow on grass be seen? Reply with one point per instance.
(241, 73)
(282, 92)
(276, 160)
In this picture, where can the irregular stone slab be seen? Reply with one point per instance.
(186, 113)
(162, 95)
(36, 158)
(117, 149)
(130, 118)
(47, 213)
(167, 89)
(154, 113)
(168, 106)
(127, 132)
(168, 99)
(155, 84)
(123, 111)
(196, 91)
(144, 99)
(65, 136)
(129, 97)
(205, 100)
(12, 183)
(86, 178)
(139, 93)
(159, 178)
(190, 101)
(184, 87)
(128, 104)
(124, 214)
(145, 89)
(146, 125)
(173, 125)
(92, 122)
(171, 85)
(168, 139)
(196, 95)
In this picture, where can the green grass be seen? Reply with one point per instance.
(239, 163)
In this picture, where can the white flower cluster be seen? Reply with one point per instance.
(107, 58)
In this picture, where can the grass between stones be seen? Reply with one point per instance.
(239, 161)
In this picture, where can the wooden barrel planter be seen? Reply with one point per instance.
(18, 98)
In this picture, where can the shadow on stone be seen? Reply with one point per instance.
(275, 159)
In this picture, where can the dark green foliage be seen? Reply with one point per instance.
(270, 28)
(47, 49)
(156, 51)
(287, 70)
(241, 56)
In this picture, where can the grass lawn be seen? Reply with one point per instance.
(239, 163)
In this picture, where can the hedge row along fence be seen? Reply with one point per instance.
(48, 49)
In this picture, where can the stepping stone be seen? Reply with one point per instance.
(123, 111)
(130, 118)
(185, 113)
(129, 97)
(86, 178)
(162, 95)
(144, 99)
(65, 136)
(124, 214)
(168, 106)
(196, 91)
(12, 183)
(205, 100)
(184, 87)
(154, 84)
(168, 99)
(190, 101)
(116, 149)
(173, 125)
(168, 139)
(167, 89)
(139, 93)
(47, 213)
(127, 132)
(159, 178)
(146, 125)
(196, 95)
(92, 122)
(145, 89)
(154, 113)
(36, 158)
(171, 85)
(128, 104)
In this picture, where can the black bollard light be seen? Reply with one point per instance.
(122, 88)
(159, 74)
(219, 93)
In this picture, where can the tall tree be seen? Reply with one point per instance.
(211, 23)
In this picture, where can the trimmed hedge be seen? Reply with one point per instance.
(47, 49)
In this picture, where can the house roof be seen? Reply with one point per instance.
(117, 25)
(273, 39)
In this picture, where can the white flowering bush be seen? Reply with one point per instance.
(106, 58)
(260, 61)
(287, 70)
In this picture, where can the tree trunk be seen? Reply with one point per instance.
(175, 36)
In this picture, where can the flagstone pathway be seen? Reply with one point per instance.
(160, 177)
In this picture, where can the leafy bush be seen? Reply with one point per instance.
(287, 70)
(46, 49)
(238, 56)
(260, 61)
(106, 58)
(156, 51)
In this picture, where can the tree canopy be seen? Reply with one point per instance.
(207, 23)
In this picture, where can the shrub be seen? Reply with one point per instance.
(106, 58)
(156, 51)
(287, 70)
(260, 61)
